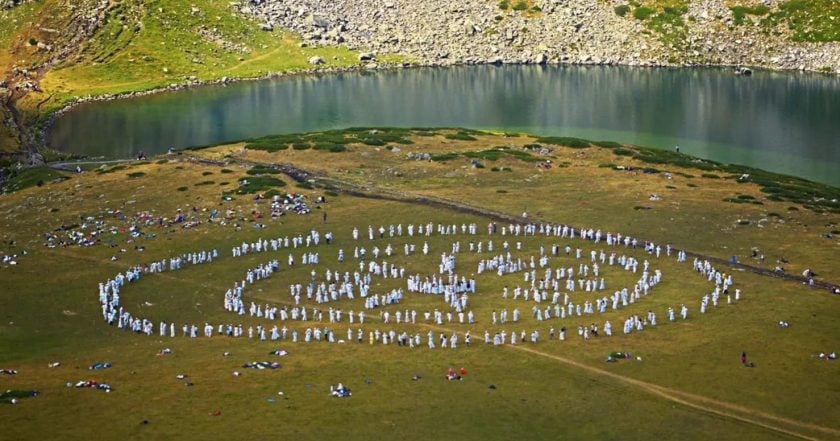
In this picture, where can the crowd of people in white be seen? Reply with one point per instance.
(561, 284)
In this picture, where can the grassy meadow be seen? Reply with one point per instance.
(689, 383)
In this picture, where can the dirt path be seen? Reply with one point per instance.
(301, 175)
(753, 417)
(705, 404)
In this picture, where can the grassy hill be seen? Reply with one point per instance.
(687, 383)
(73, 49)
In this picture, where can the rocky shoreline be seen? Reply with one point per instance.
(440, 33)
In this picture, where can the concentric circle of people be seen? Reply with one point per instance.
(556, 294)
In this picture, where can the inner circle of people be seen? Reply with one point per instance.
(560, 288)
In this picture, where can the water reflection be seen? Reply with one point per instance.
(783, 122)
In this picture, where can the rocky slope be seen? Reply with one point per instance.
(438, 32)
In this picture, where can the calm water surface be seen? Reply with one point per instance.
(785, 122)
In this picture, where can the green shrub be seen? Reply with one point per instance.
(504, 5)
(622, 10)
(520, 6)
(258, 184)
(608, 144)
(444, 157)
(642, 13)
(460, 136)
(576, 143)
(262, 170)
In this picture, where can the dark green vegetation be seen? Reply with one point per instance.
(622, 10)
(740, 12)
(805, 20)
(812, 195)
(259, 184)
(334, 140)
(810, 20)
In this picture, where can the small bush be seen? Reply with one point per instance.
(207, 173)
(608, 144)
(575, 143)
(740, 12)
(520, 6)
(504, 5)
(460, 136)
(444, 157)
(133, 175)
(622, 10)
(262, 170)
(642, 13)
(258, 184)
(226, 170)
(183, 188)
(202, 183)
(710, 176)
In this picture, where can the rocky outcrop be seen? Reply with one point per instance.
(438, 32)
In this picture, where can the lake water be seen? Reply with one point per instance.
(784, 122)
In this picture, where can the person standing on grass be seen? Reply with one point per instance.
(744, 358)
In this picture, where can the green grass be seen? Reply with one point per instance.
(53, 317)
(13, 20)
(576, 143)
(259, 184)
(333, 141)
(460, 136)
(809, 20)
(262, 170)
(642, 13)
(33, 177)
(739, 13)
(140, 48)
(520, 5)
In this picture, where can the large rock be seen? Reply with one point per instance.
(316, 60)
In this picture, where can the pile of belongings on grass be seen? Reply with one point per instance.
(262, 365)
(92, 384)
(279, 353)
(340, 391)
(13, 396)
(100, 365)
(294, 202)
(452, 375)
(824, 356)
(8, 372)
(615, 356)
